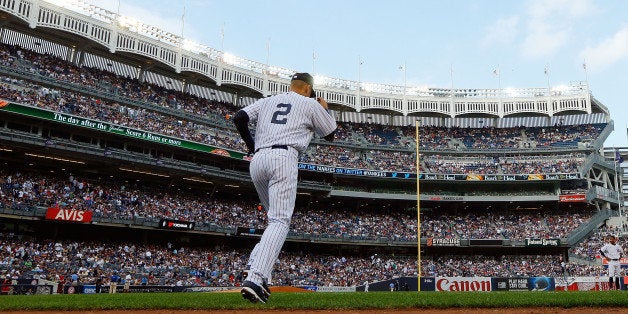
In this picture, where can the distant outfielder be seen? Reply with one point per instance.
(285, 126)
(612, 251)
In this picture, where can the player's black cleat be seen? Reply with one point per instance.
(255, 293)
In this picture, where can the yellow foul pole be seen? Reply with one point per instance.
(418, 207)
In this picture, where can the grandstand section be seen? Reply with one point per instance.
(122, 132)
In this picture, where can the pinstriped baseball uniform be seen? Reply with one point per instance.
(285, 126)
(613, 252)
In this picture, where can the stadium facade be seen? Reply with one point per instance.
(90, 94)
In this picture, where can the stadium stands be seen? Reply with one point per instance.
(129, 200)
(61, 86)
(172, 264)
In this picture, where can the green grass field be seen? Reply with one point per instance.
(316, 301)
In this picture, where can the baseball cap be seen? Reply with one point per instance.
(307, 78)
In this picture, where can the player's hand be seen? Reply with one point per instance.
(250, 150)
(322, 102)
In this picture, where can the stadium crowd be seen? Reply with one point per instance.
(23, 257)
(339, 156)
(589, 248)
(109, 198)
(172, 264)
(432, 137)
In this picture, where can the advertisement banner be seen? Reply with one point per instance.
(176, 224)
(68, 214)
(510, 284)
(475, 177)
(250, 231)
(89, 289)
(443, 242)
(107, 127)
(536, 177)
(208, 289)
(542, 242)
(541, 284)
(488, 242)
(334, 289)
(463, 284)
(572, 198)
(428, 283)
(446, 198)
(582, 283)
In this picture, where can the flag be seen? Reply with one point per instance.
(401, 67)
(618, 157)
(546, 71)
(496, 72)
(584, 65)
(182, 21)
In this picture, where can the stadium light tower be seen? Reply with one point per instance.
(404, 68)
(360, 62)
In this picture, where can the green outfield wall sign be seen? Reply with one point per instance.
(69, 119)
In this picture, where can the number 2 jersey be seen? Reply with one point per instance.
(289, 119)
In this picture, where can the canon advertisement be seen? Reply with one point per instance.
(463, 284)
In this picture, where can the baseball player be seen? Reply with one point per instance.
(285, 126)
(612, 251)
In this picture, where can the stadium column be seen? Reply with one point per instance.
(141, 74)
(81, 57)
(69, 56)
(33, 14)
(186, 86)
(266, 84)
(452, 107)
(178, 60)
(113, 39)
(404, 105)
(358, 102)
(219, 71)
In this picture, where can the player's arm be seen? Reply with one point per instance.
(324, 123)
(241, 121)
(602, 253)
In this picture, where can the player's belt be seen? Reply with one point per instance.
(614, 259)
(275, 147)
